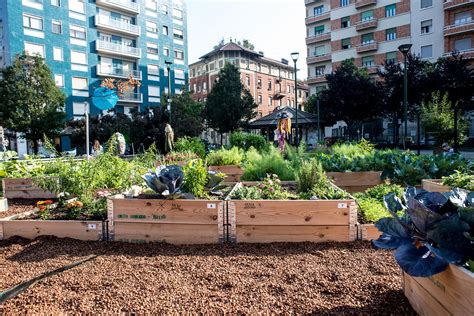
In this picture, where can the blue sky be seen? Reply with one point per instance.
(275, 27)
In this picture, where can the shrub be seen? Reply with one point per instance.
(309, 175)
(191, 144)
(258, 165)
(195, 177)
(225, 157)
(248, 140)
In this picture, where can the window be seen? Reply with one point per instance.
(367, 16)
(151, 27)
(427, 51)
(153, 69)
(346, 43)
(177, 14)
(270, 99)
(204, 85)
(178, 34)
(320, 50)
(426, 26)
(78, 109)
(391, 57)
(462, 17)
(33, 22)
(319, 30)
(178, 54)
(56, 3)
(390, 10)
(368, 61)
(151, 5)
(77, 6)
(59, 80)
(260, 99)
(259, 83)
(269, 85)
(344, 3)
(57, 27)
(166, 51)
(58, 54)
(77, 32)
(426, 3)
(368, 38)
(165, 30)
(154, 91)
(164, 9)
(78, 57)
(345, 22)
(319, 10)
(79, 83)
(247, 81)
(320, 71)
(391, 34)
(463, 44)
(152, 48)
(34, 49)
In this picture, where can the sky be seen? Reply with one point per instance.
(276, 27)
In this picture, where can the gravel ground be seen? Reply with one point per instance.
(331, 278)
(17, 206)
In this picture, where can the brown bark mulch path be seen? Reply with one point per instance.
(330, 278)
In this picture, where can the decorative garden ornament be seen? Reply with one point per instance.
(283, 128)
(120, 139)
(169, 138)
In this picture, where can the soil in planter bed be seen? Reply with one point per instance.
(18, 206)
(330, 278)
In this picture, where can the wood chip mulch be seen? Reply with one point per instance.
(330, 278)
(18, 206)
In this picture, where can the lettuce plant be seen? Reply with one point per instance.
(428, 230)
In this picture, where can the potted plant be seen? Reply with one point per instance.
(432, 235)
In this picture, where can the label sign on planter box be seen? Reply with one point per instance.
(211, 205)
(342, 205)
(91, 226)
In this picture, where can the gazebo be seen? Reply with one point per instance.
(307, 125)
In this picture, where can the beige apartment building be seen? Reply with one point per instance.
(271, 82)
(370, 32)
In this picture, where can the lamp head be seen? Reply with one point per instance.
(405, 48)
(295, 56)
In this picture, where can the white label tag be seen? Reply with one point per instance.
(211, 205)
(342, 205)
(92, 226)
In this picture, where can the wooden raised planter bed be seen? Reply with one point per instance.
(31, 229)
(170, 221)
(448, 293)
(368, 232)
(265, 221)
(233, 173)
(433, 185)
(356, 181)
(24, 189)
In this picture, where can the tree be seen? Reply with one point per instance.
(229, 106)
(456, 79)
(420, 87)
(350, 96)
(187, 115)
(30, 102)
(437, 118)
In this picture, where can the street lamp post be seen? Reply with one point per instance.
(405, 49)
(319, 117)
(168, 65)
(295, 56)
(86, 114)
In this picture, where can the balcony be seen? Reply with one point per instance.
(279, 95)
(318, 38)
(367, 47)
(318, 59)
(364, 3)
(121, 5)
(117, 49)
(307, 2)
(317, 18)
(467, 54)
(131, 97)
(116, 25)
(368, 24)
(317, 79)
(454, 4)
(459, 28)
(109, 71)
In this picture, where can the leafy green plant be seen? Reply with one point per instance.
(460, 180)
(269, 189)
(225, 157)
(247, 193)
(258, 165)
(175, 157)
(195, 177)
(371, 210)
(248, 140)
(191, 144)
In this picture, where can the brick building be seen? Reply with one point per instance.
(271, 82)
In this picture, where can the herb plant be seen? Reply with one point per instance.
(195, 177)
(225, 157)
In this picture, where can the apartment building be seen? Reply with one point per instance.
(370, 31)
(85, 41)
(271, 82)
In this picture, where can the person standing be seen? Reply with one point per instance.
(97, 148)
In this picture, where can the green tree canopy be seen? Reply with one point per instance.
(30, 102)
(229, 106)
(187, 118)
